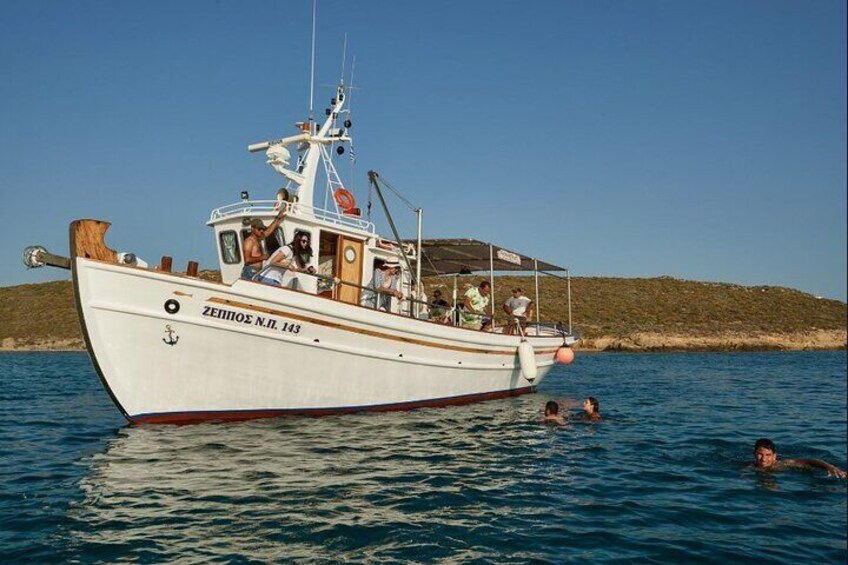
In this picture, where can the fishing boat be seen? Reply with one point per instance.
(174, 347)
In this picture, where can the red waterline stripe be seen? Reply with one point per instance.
(237, 415)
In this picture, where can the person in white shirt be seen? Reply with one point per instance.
(386, 280)
(282, 266)
(518, 308)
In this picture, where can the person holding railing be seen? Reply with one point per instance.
(475, 301)
(439, 308)
(384, 286)
(517, 307)
(282, 266)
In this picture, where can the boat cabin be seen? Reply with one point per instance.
(344, 247)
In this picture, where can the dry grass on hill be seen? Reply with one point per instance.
(700, 313)
(33, 312)
(618, 307)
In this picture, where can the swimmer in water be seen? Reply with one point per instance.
(592, 408)
(552, 413)
(765, 457)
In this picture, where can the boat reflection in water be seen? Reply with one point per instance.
(353, 487)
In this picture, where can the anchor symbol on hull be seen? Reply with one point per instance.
(171, 339)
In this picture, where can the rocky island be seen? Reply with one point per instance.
(611, 314)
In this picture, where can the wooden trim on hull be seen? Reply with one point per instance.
(362, 331)
(239, 415)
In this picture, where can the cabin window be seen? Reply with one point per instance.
(230, 252)
(274, 241)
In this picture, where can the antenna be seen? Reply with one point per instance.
(350, 88)
(312, 71)
(344, 56)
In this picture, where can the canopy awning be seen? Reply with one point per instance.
(452, 256)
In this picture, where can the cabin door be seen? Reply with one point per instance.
(349, 261)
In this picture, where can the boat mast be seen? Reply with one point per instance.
(311, 142)
(312, 66)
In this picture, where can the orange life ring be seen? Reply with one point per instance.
(344, 199)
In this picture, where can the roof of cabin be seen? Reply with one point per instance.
(463, 256)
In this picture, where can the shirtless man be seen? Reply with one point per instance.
(552, 413)
(765, 457)
(253, 254)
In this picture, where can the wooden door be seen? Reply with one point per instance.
(349, 261)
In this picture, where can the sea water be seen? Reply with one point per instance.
(662, 478)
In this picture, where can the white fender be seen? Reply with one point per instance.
(527, 358)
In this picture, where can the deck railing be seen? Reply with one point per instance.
(420, 309)
(266, 207)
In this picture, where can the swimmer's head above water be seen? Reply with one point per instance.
(765, 457)
(592, 407)
(765, 453)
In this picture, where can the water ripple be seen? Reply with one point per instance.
(662, 479)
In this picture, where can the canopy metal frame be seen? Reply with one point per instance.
(440, 257)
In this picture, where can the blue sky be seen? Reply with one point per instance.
(700, 140)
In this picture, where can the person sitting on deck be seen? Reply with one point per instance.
(592, 408)
(765, 457)
(253, 254)
(518, 308)
(475, 301)
(282, 266)
(439, 308)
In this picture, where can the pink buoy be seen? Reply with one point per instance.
(565, 355)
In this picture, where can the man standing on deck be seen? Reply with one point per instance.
(387, 282)
(765, 457)
(475, 302)
(253, 254)
(518, 308)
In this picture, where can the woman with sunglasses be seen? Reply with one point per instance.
(282, 266)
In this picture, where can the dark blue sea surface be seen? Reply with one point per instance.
(662, 479)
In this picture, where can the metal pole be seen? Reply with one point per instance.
(492, 283)
(312, 65)
(372, 177)
(568, 279)
(418, 258)
(455, 309)
(538, 303)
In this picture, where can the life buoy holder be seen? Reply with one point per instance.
(344, 199)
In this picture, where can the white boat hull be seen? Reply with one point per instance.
(170, 348)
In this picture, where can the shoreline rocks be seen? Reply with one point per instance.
(817, 340)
